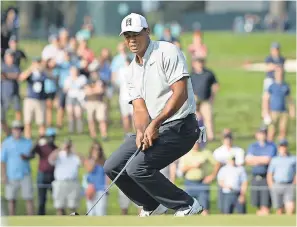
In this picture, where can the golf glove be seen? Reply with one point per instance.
(202, 135)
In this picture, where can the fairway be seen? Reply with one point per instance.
(215, 220)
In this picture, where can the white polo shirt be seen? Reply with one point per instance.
(163, 65)
(222, 154)
(66, 166)
(232, 176)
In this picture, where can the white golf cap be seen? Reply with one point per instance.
(133, 23)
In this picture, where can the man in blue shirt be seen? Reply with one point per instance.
(9, 88)
(281, 179)
(15, 168)
(258, 156)
(275, 101)
(34, 103)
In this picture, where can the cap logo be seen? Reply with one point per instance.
(129, 22)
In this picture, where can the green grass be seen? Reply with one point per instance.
(237, 106)
(215, 220)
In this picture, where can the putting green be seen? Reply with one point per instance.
(214, 220)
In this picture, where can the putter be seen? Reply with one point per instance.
(107, 189)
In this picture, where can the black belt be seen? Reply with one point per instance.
(192, 115)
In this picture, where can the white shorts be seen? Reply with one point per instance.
(125, 108)
(12, 188)
(66, 194)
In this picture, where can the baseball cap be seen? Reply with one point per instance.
(275, 45)
(133, 23)
(283, 142)
(13, 38)
(262, 129)
(17, 124)
(50, 132)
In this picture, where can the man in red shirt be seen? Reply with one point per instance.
(45, 177)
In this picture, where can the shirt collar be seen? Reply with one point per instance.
(265, 143)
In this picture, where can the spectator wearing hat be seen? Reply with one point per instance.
(63, 71)
(233, 181)
(223, 153)
(45, 176)
(197, 165)
(258, 156)
(95, 105)
(18, 54)
(205, 87)
(15, 169)
(281, 179)
(9, 88)
(96, 180)
(278, 104)
(53, 50)
(66, 187)
(34, 103)
(274, 60)
(74, 89)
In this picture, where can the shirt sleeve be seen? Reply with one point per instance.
(221, 174)
(215, 155)
(250, 151)
(174, 65)
(4, 153)
(213, 79)
(271, 167)
(270, 89)
(28, 147)
(240, 157)
(211, 158)
(243, 175)
(288, 91)
(23, 55)
(273, 150)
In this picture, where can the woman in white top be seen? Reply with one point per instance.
(74, 99)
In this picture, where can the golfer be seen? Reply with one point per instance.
(164, 117)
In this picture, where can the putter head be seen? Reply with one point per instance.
(74, 214)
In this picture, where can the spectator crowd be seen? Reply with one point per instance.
(70, 76)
